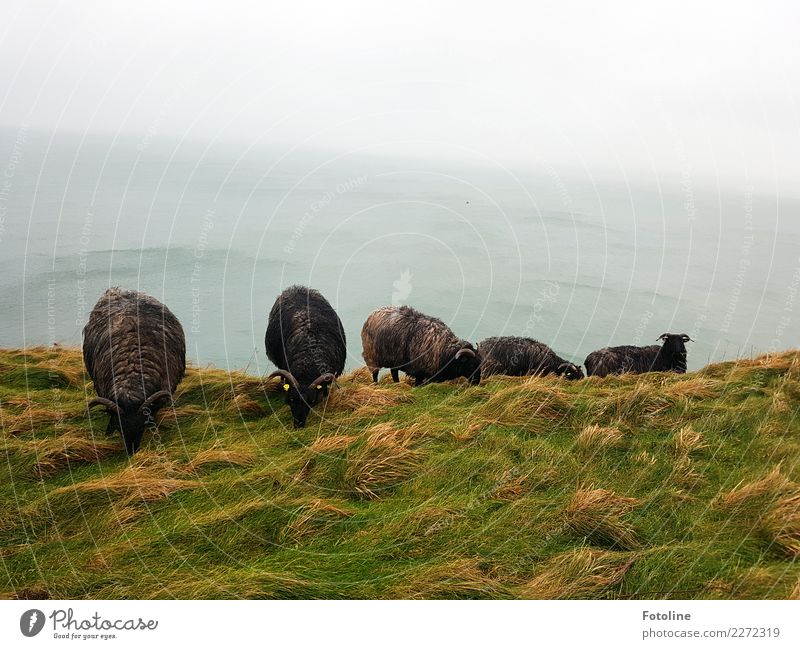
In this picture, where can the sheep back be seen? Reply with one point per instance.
(305, 335)
(133, 347)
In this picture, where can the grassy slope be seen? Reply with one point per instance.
(654, 486)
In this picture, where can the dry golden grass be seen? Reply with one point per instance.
(32, 420)
(597, 514)
(305, 471)
(685, 475)
(770, 487)
(331, 443)
(644, 457)
(772, 503)
(697, 387)
(643, 401)
(467, 431)
(511, 488)
(358, 375)
(595, 437)
(386, 458)
(148, 478)
(782, 525)
(16, 401)
(64, 373)
(230, 513)
(533, 404)
(795, 594)
(218, 455)
(459, 578)
(367, 400)
(780, 403)
(783, 361)
(175, 415)
(687, 440)
(312, 518)
(57, 453)
(579, 574)
(244, 405)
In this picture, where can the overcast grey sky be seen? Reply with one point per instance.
(627, 86)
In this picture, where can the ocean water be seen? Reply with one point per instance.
(579, 261)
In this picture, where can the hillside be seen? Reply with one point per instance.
(638, 487)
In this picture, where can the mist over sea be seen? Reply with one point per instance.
(217, 231)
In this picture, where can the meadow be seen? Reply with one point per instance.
(652, 486)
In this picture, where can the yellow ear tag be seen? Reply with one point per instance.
(319, 387)
(285, 387)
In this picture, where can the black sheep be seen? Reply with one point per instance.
(306, 340)
(516, 356)
(402, 338)
(669, 357)
(135, 351)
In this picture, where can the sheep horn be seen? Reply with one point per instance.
(153, 397)
(687, 338)
(465, 352)
(286, 376)
(323, 378)
(662, 337)
(101, 401)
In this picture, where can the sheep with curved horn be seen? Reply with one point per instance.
(402, 338)
(306, 340)
(134, 350)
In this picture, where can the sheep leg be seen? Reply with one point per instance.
(395, 375)
(375, 374)
(420, 379)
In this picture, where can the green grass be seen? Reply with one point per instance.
(657, 486)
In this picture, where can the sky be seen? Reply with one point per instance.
(626, 88)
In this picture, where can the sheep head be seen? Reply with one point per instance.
(302, 398)
(132, 419)
(570, 371)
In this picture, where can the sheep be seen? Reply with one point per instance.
(134, 350)
(516, 356)
(402, 338)
(669, 357)
(306, 341)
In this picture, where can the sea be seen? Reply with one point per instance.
(577, 259)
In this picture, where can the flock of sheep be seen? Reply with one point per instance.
(134, 350)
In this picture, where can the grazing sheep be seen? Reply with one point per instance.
(669, 357)
(135, 351)
(402, 338)
(517, 356)
(306, 340)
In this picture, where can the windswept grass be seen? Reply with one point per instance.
(387, 456)
(599, 516)
(594, 438)
(578, 574)
(655, 486)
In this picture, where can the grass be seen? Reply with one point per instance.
(654, 486)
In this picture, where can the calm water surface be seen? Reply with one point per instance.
(216, 233)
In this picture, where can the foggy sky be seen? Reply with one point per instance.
(623, 88)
